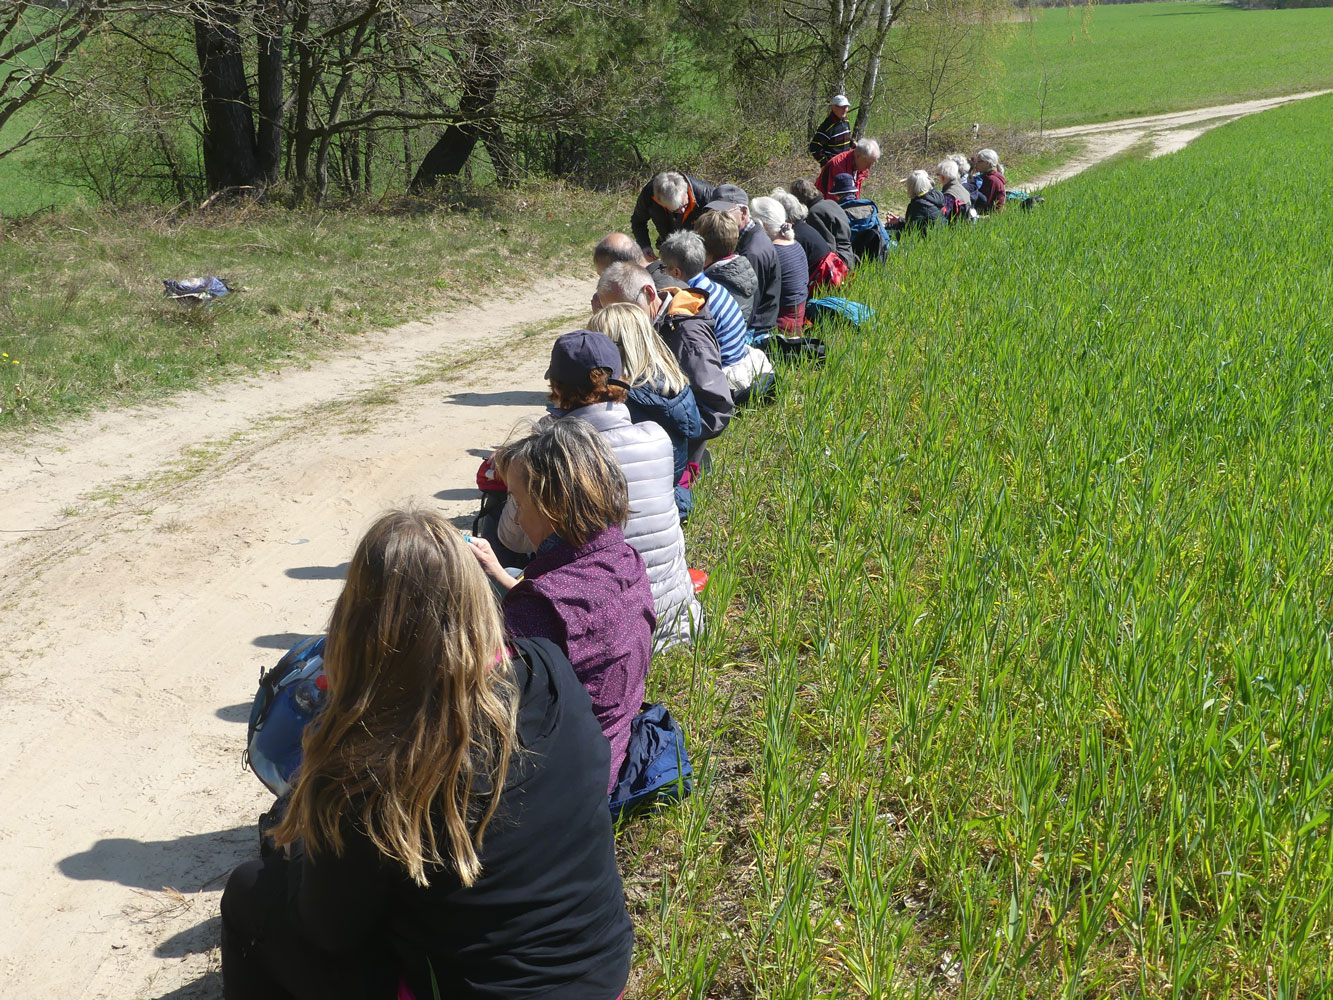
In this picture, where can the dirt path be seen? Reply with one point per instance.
(1166, 133)
(153, 561)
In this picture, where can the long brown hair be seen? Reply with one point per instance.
(422, 708)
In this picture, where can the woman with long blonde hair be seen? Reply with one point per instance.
(658, 388)
(445, 773)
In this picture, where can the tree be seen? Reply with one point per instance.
(36, 41)
(939, 56)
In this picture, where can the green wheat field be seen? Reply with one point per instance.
(1021, 685)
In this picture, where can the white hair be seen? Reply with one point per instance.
(671, 190)
(989, 156)
(796, 212)
(948, 170)
(622, 282)
(868, 147)
(918, 183)
(964, 164)
(770, 214)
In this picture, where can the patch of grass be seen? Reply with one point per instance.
(83, 322)
(1123, 60)
(1019, 680)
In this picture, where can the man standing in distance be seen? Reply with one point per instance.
(834, 135)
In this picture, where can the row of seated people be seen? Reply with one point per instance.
(448, 832)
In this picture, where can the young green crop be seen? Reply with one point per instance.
(1103, 62)
(1020, 680)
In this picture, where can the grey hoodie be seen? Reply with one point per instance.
(736, 275)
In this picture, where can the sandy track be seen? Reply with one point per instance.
(152, 561)
(1166, 133)
(136, 629)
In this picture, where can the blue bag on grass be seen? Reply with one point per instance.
(831, 306)
(290, 694)
(657, 765)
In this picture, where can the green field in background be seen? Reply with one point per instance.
(1123, 60)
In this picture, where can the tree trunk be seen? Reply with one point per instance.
(481, 84)
(230, 156)
(302, 136)
(268, 84)
(502, 157)
(871, 79)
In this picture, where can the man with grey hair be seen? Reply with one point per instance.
(671, 200)
(856, 161)
(683, 257)
(615, 248)
(682, 318)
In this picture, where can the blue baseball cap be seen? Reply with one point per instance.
(574, 355)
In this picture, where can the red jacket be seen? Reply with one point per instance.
(843, 163)
(993, 190)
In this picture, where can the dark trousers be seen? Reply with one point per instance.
(265, 957)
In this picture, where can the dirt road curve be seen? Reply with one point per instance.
(153, 561)
(1166, 133)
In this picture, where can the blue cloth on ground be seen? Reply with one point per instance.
(657, 765)
(831, 306)
(199, 289)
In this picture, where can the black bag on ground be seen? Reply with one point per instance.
(794, 348)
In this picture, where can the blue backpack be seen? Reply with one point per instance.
(863, 218)
(657, 766)
(290, 694)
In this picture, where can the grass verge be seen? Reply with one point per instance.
(84, 324)
(1020, 681)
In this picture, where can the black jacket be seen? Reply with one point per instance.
(812, 242)
(925, 210)
(828, 218)
(667, 222)
(755, 246)
(548, 909)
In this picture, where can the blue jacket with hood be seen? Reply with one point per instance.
(678, 415)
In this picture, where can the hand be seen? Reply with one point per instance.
(488, 560)
(648, 256)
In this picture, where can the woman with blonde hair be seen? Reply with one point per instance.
(658, 389)
(448, 776)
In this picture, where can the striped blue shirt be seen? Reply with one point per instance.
(727, 319)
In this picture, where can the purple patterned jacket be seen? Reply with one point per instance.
(594, 602)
